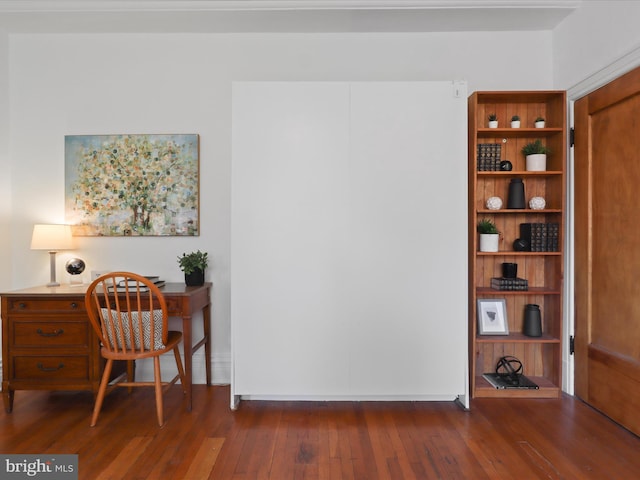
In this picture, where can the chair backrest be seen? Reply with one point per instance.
(128, 313)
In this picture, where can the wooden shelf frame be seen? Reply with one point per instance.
(541, 356)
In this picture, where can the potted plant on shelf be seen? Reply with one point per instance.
(489, 235)
(536, 156)
(493, 120)
(193, 265)
(515, 121)
(539, 122)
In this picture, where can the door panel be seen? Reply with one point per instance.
(607, 253)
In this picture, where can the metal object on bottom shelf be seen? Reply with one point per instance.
(501, 381)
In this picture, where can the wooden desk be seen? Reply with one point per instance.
(48, 342)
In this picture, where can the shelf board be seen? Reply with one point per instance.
(505, 253)
(516, 338)
(517, 96)
(520, 173)
(517, 132)
(486, 211)
(531, 291)
(547, 389)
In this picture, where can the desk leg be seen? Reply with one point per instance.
(206, 316)
(188, 357)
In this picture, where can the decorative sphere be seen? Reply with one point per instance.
(520, 245)
(494, 203)
(75, 266)
(506, 166)
(537, 203)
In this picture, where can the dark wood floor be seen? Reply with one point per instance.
(503, 439)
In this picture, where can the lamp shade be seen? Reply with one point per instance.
(51, 237)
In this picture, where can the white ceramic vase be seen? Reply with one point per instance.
(536, 162)
(493, 124)
(489, 242)
(515, 124)
(539, 124)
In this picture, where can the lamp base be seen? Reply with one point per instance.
(52, 264)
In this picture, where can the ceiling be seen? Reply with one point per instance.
(212, 16)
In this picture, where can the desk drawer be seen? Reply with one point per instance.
(174, 306)
(50, 334)
(26, 305)
(51, 367)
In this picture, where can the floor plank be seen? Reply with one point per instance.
(497, 439)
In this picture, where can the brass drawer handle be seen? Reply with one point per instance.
(50, 369)
(55, 333)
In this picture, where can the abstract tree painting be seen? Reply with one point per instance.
(132, 185)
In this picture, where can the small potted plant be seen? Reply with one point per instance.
(493, 120)
(515, 121)
(489, 235)
(536, 156)
(539, 122)
(193, 265)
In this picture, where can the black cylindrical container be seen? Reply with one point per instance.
(532, 321)
(509, 270)
(516, 194)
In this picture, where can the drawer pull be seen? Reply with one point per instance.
(50, 369)
(22, 305)
(55, 333)
(74, 305)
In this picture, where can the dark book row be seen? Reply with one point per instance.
(502, 283)
(540, 237)
(489, 157)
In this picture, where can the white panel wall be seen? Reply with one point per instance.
(289, 221)
(408, 238)
(338, 277)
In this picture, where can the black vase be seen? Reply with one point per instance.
(516, 194)
(532, 321)
(194, 278)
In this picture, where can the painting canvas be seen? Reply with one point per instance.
(132, 185)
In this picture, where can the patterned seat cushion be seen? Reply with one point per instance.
(146, 317)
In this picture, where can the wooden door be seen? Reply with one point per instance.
(607, 249)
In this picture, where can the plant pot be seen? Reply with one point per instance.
(493, 124)
(539, 124)
(194, 278)
(515, 124)
(489, 242)
(536, 162)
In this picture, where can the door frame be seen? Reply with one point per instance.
(616, 69)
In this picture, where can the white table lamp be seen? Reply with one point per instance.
(52, 238)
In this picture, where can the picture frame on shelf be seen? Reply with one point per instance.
(492, 317)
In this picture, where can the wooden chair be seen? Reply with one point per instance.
(129, 315)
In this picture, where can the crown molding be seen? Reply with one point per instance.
(279, 16)
(61, 6)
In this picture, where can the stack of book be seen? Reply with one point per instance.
(501, 283)
(122, 284)
(542, 237)
(489, 157)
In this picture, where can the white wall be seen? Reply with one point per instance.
(96, 84)
(594, 36)
(5, 166)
